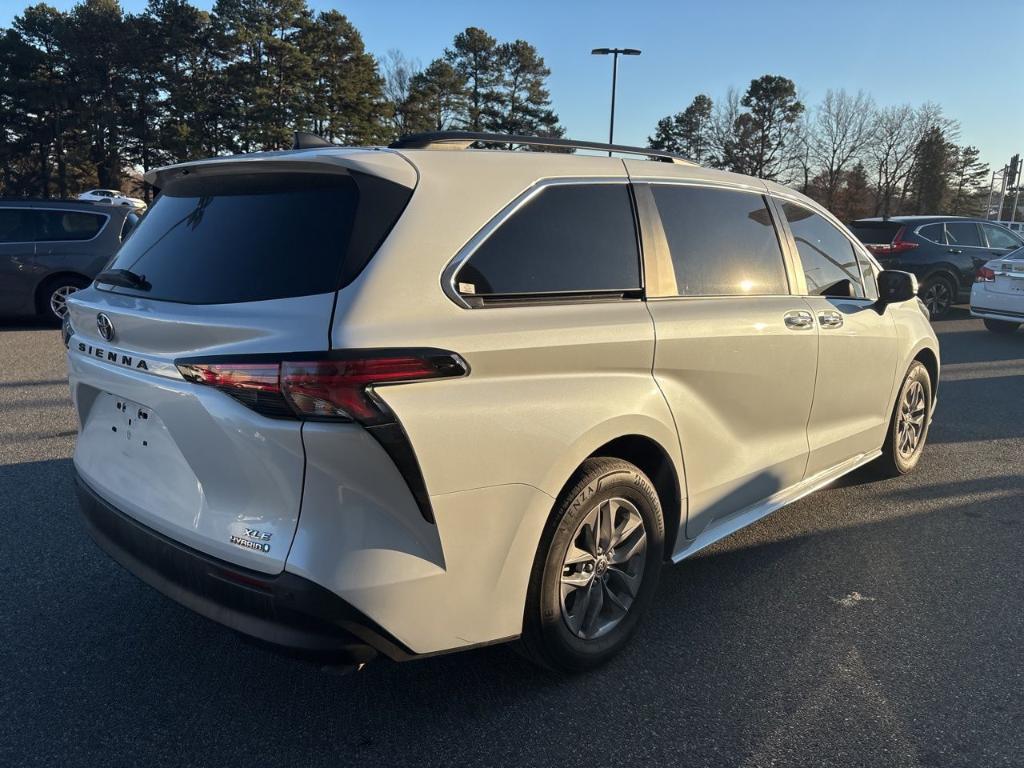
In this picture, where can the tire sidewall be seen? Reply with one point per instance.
(621, 480)
(919, 373)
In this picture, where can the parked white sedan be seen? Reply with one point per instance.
(998, 293)
(111, 196)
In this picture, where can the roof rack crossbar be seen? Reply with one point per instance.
(466, 139)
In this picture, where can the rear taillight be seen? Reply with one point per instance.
(898, 245)
(984, 275)
(329, 387)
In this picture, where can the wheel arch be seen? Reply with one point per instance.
(655, 460)
(927, 357)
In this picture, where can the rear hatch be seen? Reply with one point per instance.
(237, 260)
(878, 236)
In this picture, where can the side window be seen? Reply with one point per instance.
(16, 225)
(827, 255)
(723, 242)
(1000, 237)
(68, 225)
(963, 233)
(933, 232)
(572, 238)
(129, 224)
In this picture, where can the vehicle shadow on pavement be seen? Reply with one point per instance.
(833, 630)
(14, 323)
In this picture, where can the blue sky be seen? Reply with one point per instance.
(963, 56)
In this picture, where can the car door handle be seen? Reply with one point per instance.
(799, 320)
(954, 250)
(830, 319)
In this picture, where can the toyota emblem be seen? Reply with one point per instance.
(105, 327)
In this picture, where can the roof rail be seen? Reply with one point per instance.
(465, 139)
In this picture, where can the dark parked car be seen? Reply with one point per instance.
(49, 249)
(945, 252)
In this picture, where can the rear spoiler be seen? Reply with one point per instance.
(371, 161)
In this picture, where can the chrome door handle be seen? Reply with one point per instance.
(799, 320)
(830, 319)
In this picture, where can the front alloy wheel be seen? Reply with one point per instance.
(596, 567)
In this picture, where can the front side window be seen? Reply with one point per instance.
(567, 239)
(722, 242)
(963, 233)
(62, 226)
(16, 225)
(828, 257)
(1000, 237)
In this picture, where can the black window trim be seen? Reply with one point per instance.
(103, 226)
(977, 225)
(665, 255)
(448, 276)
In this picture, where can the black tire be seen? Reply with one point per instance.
(47, 289)
(939, 294)
(895, 462)
(547, 638)
(1001, 326)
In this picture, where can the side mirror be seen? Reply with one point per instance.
(895, 286)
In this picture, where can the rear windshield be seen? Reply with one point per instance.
(253, 237)
(875, 232)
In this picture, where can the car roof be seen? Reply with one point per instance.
(71, 205)
(923, 219)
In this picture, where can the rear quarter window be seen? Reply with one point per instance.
(65, 226)
(567, 239)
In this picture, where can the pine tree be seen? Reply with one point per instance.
(438, 98)
(522, 101)
(688, 132)
(761, 144)
(474, 55)
(969, 176)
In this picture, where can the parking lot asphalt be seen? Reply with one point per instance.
(874, 623)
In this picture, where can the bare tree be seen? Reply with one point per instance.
(892, 152)
(398, 72)
(721, 133)
(839, 132)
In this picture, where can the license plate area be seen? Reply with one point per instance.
(131, 421)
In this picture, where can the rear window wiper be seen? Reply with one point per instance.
(124, 278)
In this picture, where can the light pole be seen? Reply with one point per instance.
(615, 72)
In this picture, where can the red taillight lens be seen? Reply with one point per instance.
(898, 245)
(985, 275)
(337, 387)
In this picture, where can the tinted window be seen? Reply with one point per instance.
(130, 222)
(1000, 237)
(827, 255)
(568, 238)
(934, 232)
(16, 225)
(875, 232)
(963, 233)
(243, 238)
(56, 226)
(723, 243)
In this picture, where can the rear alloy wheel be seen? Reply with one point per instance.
(52, 302)
(908, 428)
(596, 569)
(938, 294)
(1001, 326)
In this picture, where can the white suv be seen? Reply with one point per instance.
(411, 401)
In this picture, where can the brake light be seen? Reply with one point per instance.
(898, 245)
(334, 387)
(984, 275)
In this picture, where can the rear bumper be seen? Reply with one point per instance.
(998, 314)
(285, 610)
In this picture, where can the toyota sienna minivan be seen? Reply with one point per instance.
(405, 401)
